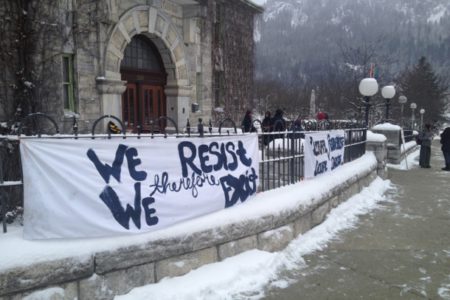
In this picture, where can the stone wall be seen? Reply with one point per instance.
(33, 35)
(181, 30)
(8, 59)
(109, 273)
(234, 55)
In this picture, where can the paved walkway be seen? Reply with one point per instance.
(400, 251)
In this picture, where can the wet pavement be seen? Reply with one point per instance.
(399, 251)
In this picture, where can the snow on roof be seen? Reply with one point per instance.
(387, 127)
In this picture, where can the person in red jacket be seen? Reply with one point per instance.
(322, 116)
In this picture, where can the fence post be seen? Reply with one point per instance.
(200, 127)
(294, 137)
(75, 127)
(108, 129)
(223, 122)
(2, 199)
(188, 128)
(35, 116)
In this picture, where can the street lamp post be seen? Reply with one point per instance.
(421, 111)
(402, 100)
(368, 87)
(388, 92)
(413, 106)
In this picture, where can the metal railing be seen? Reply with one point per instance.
(282, 155)
(408, 134)
(282, 152)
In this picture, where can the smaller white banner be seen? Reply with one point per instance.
(324, 152)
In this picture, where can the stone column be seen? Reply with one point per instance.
(178, 104)
(111, 96)
(379, 148)
(393, 142)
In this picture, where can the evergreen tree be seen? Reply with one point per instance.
(422, 86)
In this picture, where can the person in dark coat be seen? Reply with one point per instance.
(247, 122)
(445, 141)
(278, 121)
(297, 129)
(267, 126)
(267, 122)
(297, 125)
(426, 136)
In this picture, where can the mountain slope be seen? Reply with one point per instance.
(298, 39)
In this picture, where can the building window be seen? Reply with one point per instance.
(199, 87)
(68, 82)
(141, 54)
(218, 25)
(219, 89)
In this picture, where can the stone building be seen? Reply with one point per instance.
(135, 59)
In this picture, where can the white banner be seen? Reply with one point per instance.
(324, 151)
(87, 188)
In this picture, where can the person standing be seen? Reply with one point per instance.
(247, 122)
(322, 116)
(278, 121)
(425, 137)
(267, 127)
(267, 122)
(445, 141)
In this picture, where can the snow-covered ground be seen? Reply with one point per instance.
(247, 275)
(250, 272)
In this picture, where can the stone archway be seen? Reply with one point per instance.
(157, 26)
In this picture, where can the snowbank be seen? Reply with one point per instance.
(250, 272)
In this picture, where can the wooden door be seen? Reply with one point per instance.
(153, 106)
(142, 104)
(130, 105)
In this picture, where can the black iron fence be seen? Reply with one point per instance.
(282, 155)
(408, 135)
(281, 152)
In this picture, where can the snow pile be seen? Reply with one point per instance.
(444, 290)
(375, 137)
(46, 294)
(250, 272)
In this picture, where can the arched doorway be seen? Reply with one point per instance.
(143, 70)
